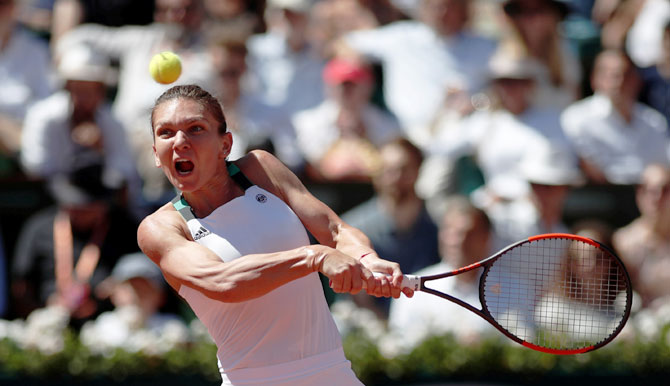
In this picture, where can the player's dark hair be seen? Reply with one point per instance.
(197, 94)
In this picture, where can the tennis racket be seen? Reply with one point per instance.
(555, 293)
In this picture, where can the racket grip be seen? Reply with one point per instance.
(408, 281)
(411, 281)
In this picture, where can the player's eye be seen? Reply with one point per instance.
(164, 132)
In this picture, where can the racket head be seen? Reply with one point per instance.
(557, 293)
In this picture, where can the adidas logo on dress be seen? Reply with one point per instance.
(202, 232)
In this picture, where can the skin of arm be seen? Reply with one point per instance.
(326, 226)
(164, 237)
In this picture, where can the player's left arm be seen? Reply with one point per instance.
(326, 226)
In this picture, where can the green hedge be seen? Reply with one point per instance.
(437, 359)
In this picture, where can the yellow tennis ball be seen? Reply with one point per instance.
(165, 67)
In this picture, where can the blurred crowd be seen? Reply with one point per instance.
(444, 129)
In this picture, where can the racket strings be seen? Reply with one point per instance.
(560, 294)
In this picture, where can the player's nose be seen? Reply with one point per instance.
(181, 140)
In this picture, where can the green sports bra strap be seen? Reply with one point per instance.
(183, 208)
(237, 176)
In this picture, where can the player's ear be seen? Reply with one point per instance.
(157, 160)
(226, 144)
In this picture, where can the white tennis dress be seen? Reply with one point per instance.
(285, 337)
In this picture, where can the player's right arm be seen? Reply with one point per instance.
(164, 237)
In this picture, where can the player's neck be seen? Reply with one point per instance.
(213, 195)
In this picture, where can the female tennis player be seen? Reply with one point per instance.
(233, 244)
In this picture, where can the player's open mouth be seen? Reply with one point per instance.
(184, 167)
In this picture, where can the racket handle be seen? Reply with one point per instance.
(411, 281)
(408, 281)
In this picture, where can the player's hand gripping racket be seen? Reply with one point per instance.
(555, 293)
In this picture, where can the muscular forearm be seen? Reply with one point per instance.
(352, 241)
(247, 277)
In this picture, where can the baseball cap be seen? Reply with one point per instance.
(135, 265)
(338, 71)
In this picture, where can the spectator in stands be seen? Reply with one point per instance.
(75, 128)
(252, 122)
(644, 244)
(424, 61)
(536, 32)
(595, 229)
(332, 19)
(656, 79)
(177, 28)
(465, 237)
(25, 75)
(65, 250)
(137, 292)
(498, 133)
(551, 170)
(396, 219)
(285, 65)
(339, 138)
(615, 136)
(246, 13)
(67, 14)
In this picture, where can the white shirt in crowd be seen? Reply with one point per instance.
(420, 66)
(283, 78)
(621, 150)
(256, 121)
(25, 74)
(316, 130)
(47, 147)
(498, 139)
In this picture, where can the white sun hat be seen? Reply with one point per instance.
(548, 163)
(301, 6)
(507, 63)
(81, 62)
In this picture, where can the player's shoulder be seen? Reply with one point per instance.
(255, 156)
(157, 228)
(266, 171)
(259, 164)
(164, 218)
